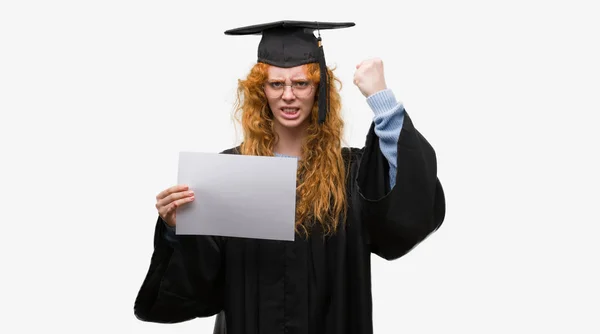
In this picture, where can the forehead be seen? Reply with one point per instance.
(292, 72)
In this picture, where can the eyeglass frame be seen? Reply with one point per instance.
(311, 85)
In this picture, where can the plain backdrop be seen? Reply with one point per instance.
(98, 97)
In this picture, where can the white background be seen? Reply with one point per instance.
(98, 97)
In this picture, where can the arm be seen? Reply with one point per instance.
(185, 279)
(388, 119)
(399, 218)
(169, 234)
(401, 210)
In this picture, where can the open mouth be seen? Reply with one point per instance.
(290, 111)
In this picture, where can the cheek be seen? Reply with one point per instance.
(308, 107)
(271, 103)
(308, 104)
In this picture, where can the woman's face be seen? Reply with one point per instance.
(290, 95)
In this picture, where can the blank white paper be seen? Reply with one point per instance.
(238, 195)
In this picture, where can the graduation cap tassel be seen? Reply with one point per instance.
(323, 96)
(324, 84)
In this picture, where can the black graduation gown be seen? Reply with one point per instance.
(319, 285)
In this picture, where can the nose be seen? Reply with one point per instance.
(288, 94)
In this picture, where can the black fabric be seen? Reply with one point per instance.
(317, 286)
(288, 43)
(288, 24)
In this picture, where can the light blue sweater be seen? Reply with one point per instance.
(388, 118)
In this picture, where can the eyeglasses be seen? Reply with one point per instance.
(300, 88)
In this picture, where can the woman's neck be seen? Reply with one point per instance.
(290, 140)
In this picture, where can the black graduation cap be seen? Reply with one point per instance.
(293, 43)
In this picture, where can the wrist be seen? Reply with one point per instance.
(382, 101)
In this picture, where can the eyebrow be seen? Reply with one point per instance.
(303, 78)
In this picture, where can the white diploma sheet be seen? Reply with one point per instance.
(238, 195)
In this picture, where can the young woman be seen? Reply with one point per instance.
(383, 199)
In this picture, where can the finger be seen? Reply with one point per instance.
(173, 206)
(368, 64)
(168, 191)
(183, 201)
(165, 211)
(169, 209)
(174, 197)
(361, 71)
(170, 197)
(357, 76)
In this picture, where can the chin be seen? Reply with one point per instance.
(287, 123)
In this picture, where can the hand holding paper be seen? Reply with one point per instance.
(168, 200)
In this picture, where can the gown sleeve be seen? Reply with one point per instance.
(398, 218)
(185, 278)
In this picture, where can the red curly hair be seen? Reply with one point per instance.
(321, 172)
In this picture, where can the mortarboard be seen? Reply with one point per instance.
(293, 43)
